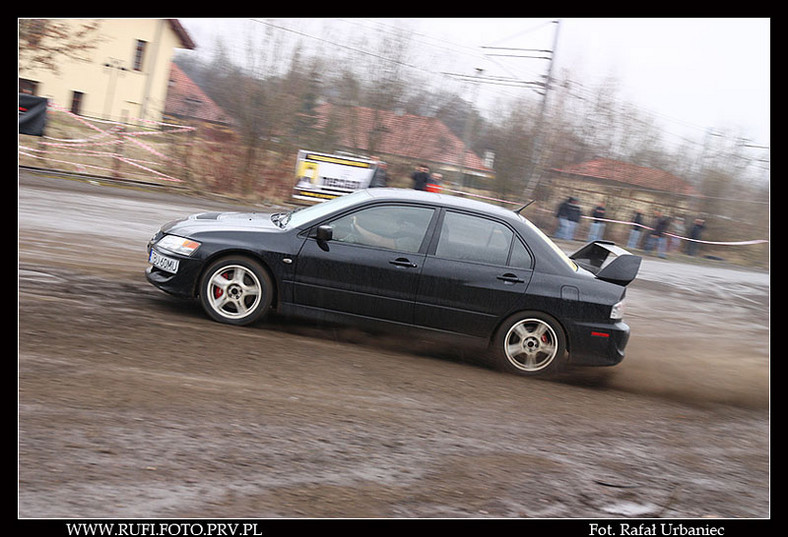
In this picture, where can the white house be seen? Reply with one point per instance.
(124, 74)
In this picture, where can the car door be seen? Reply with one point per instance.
(371, 265)
(477, 272)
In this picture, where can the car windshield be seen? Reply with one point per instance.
(304, 215)
(550, 243)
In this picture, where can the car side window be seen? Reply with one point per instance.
(471, 238)
(521, 257)
(395, 227)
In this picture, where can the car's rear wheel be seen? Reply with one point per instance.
(530, 343)
(236, 290)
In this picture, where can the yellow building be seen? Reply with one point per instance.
(124, 73)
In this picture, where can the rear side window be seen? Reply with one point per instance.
(521, 257)
(467, 237)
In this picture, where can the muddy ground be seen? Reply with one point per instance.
(133, 404)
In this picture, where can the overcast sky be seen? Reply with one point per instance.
(691, 74)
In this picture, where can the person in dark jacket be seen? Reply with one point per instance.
(634, 234)
(421, 177)
(568, 215)
(597, 228)
(697, 228)
(657, 236)
(574, 218)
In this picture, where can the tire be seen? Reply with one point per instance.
(530, 344)
(236, 290)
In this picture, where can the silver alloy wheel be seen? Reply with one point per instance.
(234, 291)
(531, 345)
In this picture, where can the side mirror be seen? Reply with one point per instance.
(325, 233)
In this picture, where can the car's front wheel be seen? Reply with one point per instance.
(530, 343)
(236, 290)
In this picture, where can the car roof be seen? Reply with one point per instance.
(445, 200)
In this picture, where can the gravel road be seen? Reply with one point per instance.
(132, 404)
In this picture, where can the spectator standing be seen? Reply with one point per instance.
(677, 231)
(634, 234)
(597, 229)
(380, 178)
(574, 218)
(421, 177)
(657, 236)
(434, 184)
(563, 213)
(697, 228)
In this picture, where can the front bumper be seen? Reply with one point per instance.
(598, 344)
(182, 283)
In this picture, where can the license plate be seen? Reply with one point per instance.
(162, 262)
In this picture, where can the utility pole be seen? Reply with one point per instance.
(538, 54)
(467, 131)
(536, 149)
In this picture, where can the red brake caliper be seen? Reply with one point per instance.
(217, 292)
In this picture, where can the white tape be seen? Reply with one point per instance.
(117, 135)
(722, 243)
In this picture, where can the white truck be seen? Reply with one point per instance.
(322, 176)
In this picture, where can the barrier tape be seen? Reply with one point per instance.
(82, 166)
(78, 165)
(118, 135)
(718, 243)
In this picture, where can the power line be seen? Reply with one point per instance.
(340, 45)
(525, 53)
(490, 51)
(496, 80)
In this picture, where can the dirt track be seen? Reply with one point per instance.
(134, 404)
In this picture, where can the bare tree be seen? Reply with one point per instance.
(256, 100)
(45, 43)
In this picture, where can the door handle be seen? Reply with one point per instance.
(510, 278)
(403, 262)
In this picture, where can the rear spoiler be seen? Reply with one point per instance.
(608, 262)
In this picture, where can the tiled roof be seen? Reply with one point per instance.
(629, 174)
(419, 138)
(186, 99)
(183, 35)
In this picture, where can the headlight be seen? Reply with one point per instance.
(178, 245)
(617, 312)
